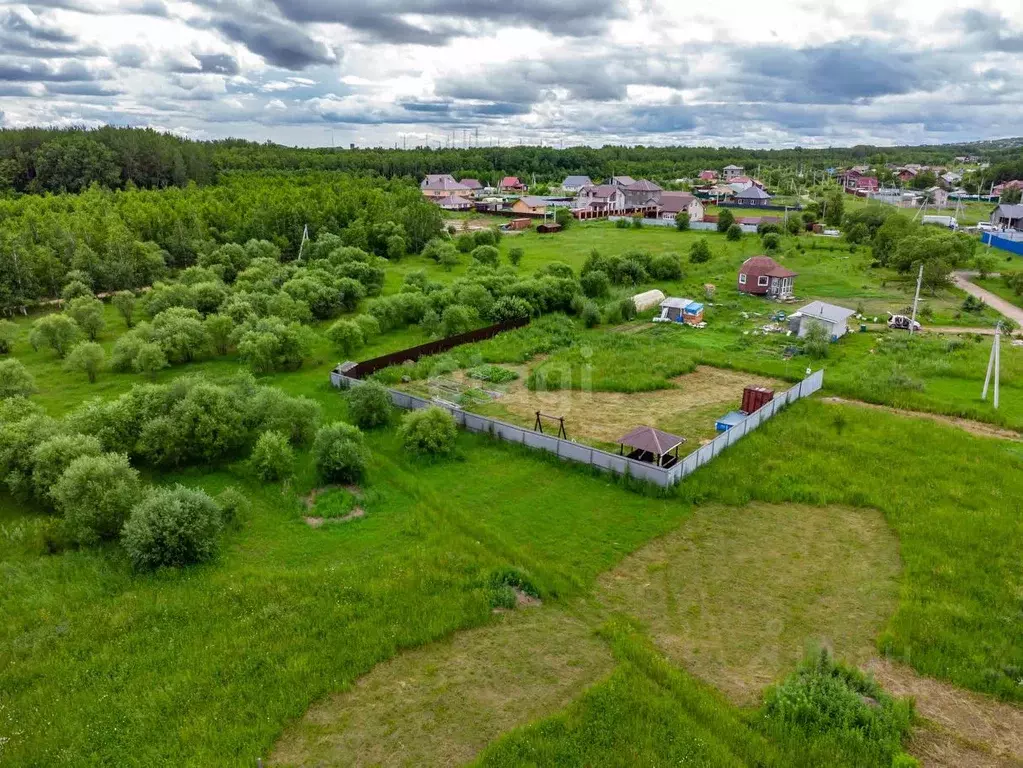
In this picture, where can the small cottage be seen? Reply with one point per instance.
(752, 196)
(677, 310)
(763, 276)
(530, 205)
(833, 318)
(511, 184)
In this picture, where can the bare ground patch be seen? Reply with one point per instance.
(443, 703)
(737, 595)
(968, 729)
(973, 427)
(688, 409)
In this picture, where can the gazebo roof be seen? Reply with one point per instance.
(652, 440)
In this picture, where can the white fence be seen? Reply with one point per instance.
(612, 462)
(696, 226)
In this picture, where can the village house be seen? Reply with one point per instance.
(733, 171)
(622, 181)
(674, 203)
(531, 205)
(1007, 216)
(511, 184)
(641, 194)
(604, 198)
(454, 203)
(473, 185)
(938, 196)
(708, 176)
(753, 197)
(572, 184)
(998, 189)
(763, 276)
(831, 317)
(441, 186)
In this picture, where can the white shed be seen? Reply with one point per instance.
(832, 317)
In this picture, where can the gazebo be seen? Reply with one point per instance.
(651, 445)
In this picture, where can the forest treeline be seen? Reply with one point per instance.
(36, 160)
(127, 239)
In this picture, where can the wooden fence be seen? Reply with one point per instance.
(612, 462)
(367, 367)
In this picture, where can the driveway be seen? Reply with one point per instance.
(1009, 310)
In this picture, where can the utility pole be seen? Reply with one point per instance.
(305, 239)
(993, 364)
(916, 298)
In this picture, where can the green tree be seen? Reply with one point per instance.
(564, 217)
(172, 527)
(57, 331)
(149, 360)
(180, 333)
(124, 302)
(428, 431)
(369, 405)
(272, 344)
(816, 342)
(515, 256)
(95, 494)
(219, 330)
(771, 241)
(458, 318)
(72, 162)
(347, 336)
(834, 208)
(8, 333)
(595, 284)
(725, 219)
(15, 380)
(699, 252)
(984, 265)
(87, 312)
(272, 458)
(1011, 196)
(734, 232)
(682, 221)
(87, 357)
(486, 254)
(51, 457)
(340, 453)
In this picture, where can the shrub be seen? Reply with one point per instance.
(272, 344)
(75, 289)
(428, 431)
(87, 312)
(816, 342)
(340, 453)
(449, 259)
(15, 380)
(666, 266)
(369, 326)
(172, 527)
(515, 256)
(457, 318)
(699, 252)
(219, 329)
(8, 331)
(486, 254)
(510, 308)
(346, 335)
(95, 494)
(369, 405)
(88, 358)
(595, 284)
(622, 223)
(682, 221)
(637, 221)
(973, 304)
(464, 243)
(272, 458)
(180, 333)
(771, 241)
(485, 237)
(725, 219)
(793, 225)
(628, 310)
(124, 303)
(734, 232)
(495, 374)
(233, 505)
(51, 457)
(590, 315)
(268, 408)
(149, 360)
(58, 332)
(768, 227)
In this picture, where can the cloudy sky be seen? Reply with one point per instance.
(376, 72)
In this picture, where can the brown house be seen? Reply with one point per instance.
(763, 276)
(531, 205)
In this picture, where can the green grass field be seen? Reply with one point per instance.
(210, 665)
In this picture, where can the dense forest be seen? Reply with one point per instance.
(127, 239)
(44, 160)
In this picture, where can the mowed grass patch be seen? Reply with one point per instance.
(957, 518)
(738, 594)
(443, 703)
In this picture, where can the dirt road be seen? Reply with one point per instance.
(1009, 310)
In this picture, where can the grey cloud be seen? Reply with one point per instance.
(131, 56)
(279, 43)
(989, 31)
(33, 27)
(138, 7)
(25, 72)
(218, 63)
(82, 89)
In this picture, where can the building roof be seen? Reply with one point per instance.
(652, 440)
(434, 178)
(824, 311)
(444, 183)
(576, 181)
(511, 181)
(1010, 211)
(623, 181)
(765, 265)
(643, 185)
(708, 175)
(733, 168)
(454, 201)
(752, 193)
(533, 201)
(675, 202)
(471, 183)
(676, 303)
(600, 190)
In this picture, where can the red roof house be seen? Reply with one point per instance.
(511, 184)
(708, 175)
(763, 276)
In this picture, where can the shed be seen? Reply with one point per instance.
(693, 313)
(832, 317)
(763, 276)
(651, 445)
(672, 309)
(1008, 216)
(647, 299)
(518, 224)
(729, 420)
(548, 229)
